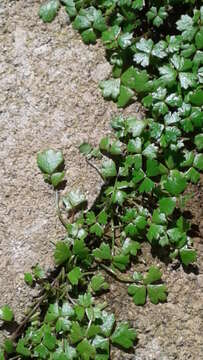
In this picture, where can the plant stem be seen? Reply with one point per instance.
(95, 168)
(116, 275)
(59, 211)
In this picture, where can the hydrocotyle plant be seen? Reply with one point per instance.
(156, 52)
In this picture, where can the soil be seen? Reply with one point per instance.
(50, 99)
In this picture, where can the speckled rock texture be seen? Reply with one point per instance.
(50, 98)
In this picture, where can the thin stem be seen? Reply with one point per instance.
(116, 275)
(21, 326)
(95, 168)
(113, 237)
(59, 211)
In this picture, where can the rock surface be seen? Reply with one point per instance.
(50, 98)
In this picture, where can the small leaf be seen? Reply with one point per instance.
(62, 253)
(74, 199)
(199, 141)
(123, 336)
(57, 178)
(89, 36)
(157, 293)
(167, 205)
(188, 256)
(103, 253)
(146, 186)
(124, 97)
(49, 160)
(85, 148)
(49, 341)
(138, 293)
(86, 350)
(98, 283)
(109, 169)
(121, 261)
(22, 349)
(154, 274)
(198, 162)
(28, 278)
(6, 314)
(49, 10)
(108, 323)
(176, 183)
(97, 229)
(110, 88)
(74, 275)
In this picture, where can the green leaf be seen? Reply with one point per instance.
(150, 151)
(108, 323)
(49, 10)
(167, 205)
(89, 36)
(103, 345)
(70, 8)
(135, 126)
(41, 352)
(57, 178)
(199, 39)
(8, 347)
(176, 183)
(125, 40)
(146, 186)
(192, 175)
(86, 350)
(52, 313)
(110, 88)
(152, 168)
(196, 97)
(22, 349)
(123, 336)
(121, 261)
(125, 95)
(153, 275)
(28, 279)
(168, 76)
(81, 22)
(49, 341)
(157, 293)
(49, 161)
(199, 141)
(85, 148)
(74, 199)
(76, 333)
(154, 232)
(139, 294)
(103, 253)
(187, 80)
(97, 229)
(62, 253)
(6, 314)
(98, 283)
(188, 256)
(109, 169)
(74, 275)
(135, 79)
(130, 247)
(135, 146)
(38, 272)
(198, 162)
(80, 249)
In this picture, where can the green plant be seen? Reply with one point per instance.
(146, 165)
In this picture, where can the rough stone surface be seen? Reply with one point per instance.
(49, 98)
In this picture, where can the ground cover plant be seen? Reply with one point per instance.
(156, 51)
